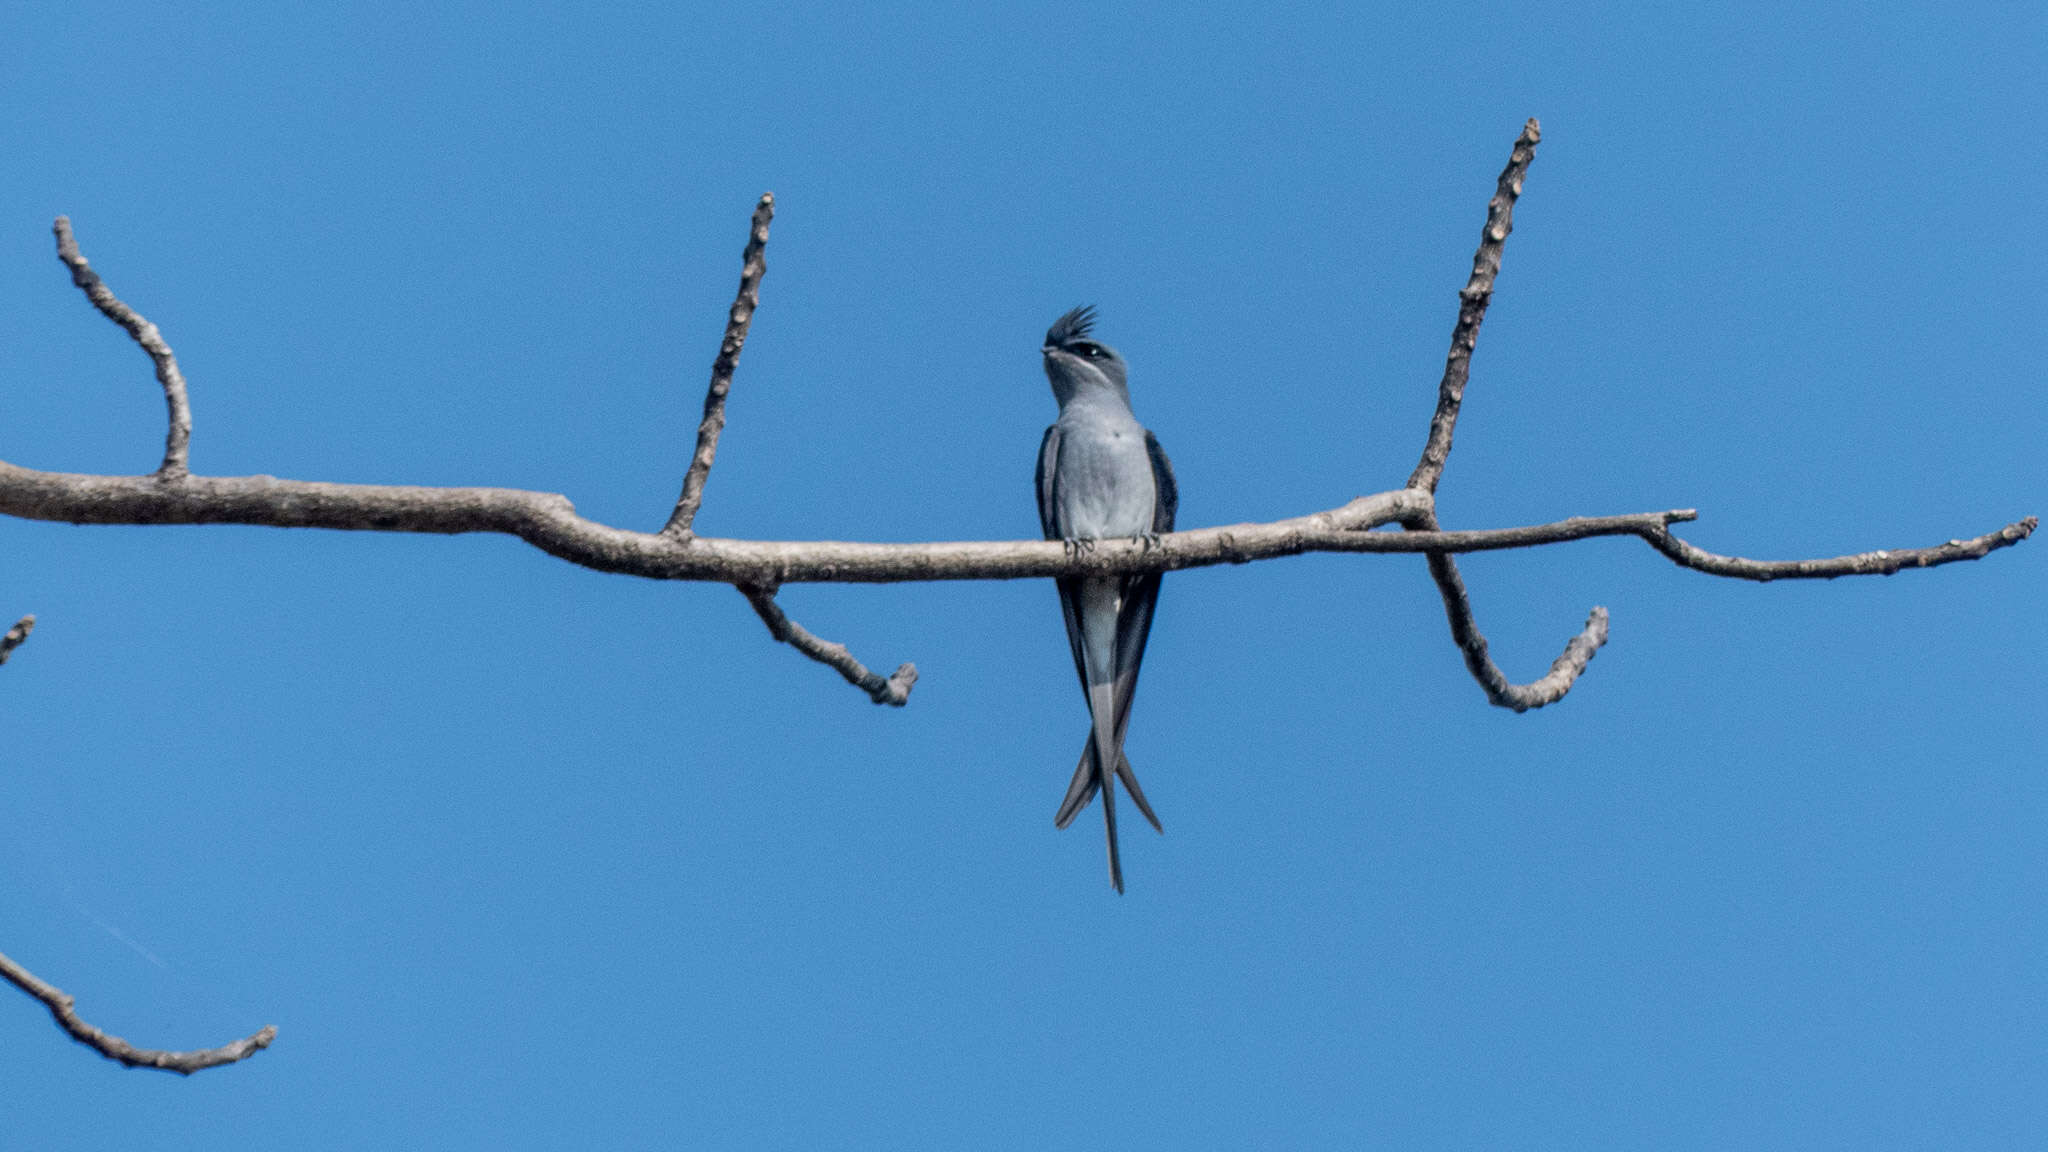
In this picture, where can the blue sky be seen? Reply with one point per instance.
(522, 856)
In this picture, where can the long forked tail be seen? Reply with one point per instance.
(1082, 788)
(1105, 745)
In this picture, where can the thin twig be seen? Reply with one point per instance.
(62, 1009)
(895, 690)
(15, 636)
(178, 440)
(1879, 563)
(1499, 690)
(752, 266)
(1472, 302)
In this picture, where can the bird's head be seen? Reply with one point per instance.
(1074, 362)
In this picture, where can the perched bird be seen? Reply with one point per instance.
(1101, 475)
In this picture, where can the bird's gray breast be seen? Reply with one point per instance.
(1103, 485)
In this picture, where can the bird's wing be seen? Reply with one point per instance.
(1165, 493)
(1141, 593)
(1048, 469)
(1134, 622)
(1048, 521)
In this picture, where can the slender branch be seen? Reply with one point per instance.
(895, 690)
(1880, 563)
(1472, 302)
(1500, 691)
(1450, 394)
(177, 441)
(752, 266)
(114, 1048)
(549, 522)
(63, 1007)
(15, 636)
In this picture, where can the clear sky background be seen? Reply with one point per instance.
(517, 855)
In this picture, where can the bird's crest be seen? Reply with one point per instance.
(1075, 325)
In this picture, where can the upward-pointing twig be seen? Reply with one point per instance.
(177, 441)
(752, 265)
(1472, 302)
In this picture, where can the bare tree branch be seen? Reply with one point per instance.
(61, 1008)
(752, 266)
(895, 690)
(177, 441)
(1472, 302)
(549, 522)
(15, 636)
(1880, 563)
(758, 567)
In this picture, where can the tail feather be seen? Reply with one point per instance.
(1102, 738)
(1081, 789)
(1116, 864)
(1130, 779)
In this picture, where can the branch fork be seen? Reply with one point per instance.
(758, 569)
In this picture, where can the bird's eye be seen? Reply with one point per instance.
(1092, 351)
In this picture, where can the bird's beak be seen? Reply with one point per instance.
(1047, 350)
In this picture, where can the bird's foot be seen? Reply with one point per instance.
(1076, 546)
(1146, 541)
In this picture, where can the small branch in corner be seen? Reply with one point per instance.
(63, 1010)
(15, 636)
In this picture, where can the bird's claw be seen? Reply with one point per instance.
(1146, 541)
(1075, 546)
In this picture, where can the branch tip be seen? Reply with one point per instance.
(15, 636)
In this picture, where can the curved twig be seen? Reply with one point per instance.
(1883, 562)
(62, 1009)
(1450, 395)
(895, 690)
(178, 440)
(753, 265)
